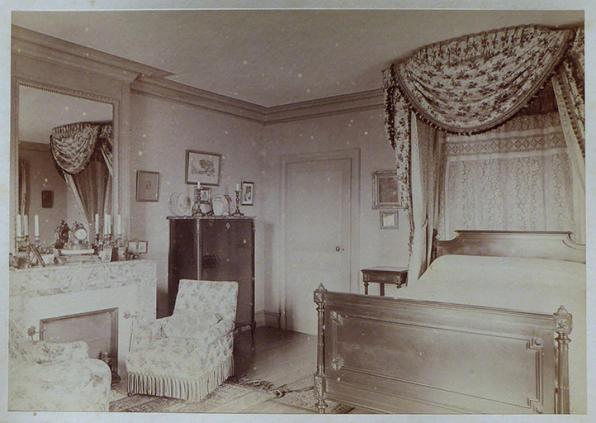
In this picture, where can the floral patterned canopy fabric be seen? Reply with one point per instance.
(475, 83)
(73, 145)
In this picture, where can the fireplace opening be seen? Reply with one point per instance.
(99, 329)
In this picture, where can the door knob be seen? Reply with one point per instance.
(338, 249)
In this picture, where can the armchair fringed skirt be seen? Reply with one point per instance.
(178, 377)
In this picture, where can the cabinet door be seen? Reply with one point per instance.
(227, 254)
(183, 260)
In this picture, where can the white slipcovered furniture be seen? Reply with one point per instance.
(188, 354)
(44, 376)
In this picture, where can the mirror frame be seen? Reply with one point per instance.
(16, 83)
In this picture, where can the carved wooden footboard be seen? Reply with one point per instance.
(409, 356)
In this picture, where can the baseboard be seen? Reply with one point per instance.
(271, 318)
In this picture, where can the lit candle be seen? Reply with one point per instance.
(26, 225)
(19, 225)
(96, 223)
(36, 225)
(237, 187)
(106, 218)
(198, 185)
(109, 224)
(119, 225)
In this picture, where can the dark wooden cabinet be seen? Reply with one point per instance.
(215, 249)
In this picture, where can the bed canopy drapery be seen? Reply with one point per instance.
(471, 85)
(82, 153)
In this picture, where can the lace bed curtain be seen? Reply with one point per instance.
(470, 85)
(516, 177)
(83, 154)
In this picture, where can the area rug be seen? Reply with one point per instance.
(236, 395)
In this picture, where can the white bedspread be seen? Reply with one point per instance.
(531, 285)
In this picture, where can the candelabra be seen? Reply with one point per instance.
(22, 243)
(237, 212)
(196, 208)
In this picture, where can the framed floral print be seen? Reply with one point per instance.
(202, 167)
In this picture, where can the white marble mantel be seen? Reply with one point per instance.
(54, 291)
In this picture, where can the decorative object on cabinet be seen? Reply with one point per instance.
(237, 212)
(217, 249)
(220, 205)
(202, 167)
(180, 204)
(385, 274)
(385, 195)
(248, 193)
(389, 219)
(147, 186)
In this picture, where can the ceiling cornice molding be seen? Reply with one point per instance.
(175, 91)
(55, 50)
(148, 80)
(347, 103)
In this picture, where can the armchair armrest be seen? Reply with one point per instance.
(42, 352)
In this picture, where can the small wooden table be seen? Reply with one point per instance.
(385, 274)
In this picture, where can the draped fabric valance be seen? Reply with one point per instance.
(74, 144)
(474, 83)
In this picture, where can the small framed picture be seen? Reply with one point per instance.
(388, 219)
(202, 167)
(138, 247)
(385, 195)
(248, 193)
(147, 186)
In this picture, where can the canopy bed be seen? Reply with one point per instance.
(488, 131)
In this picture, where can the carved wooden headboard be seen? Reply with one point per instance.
(545, 245)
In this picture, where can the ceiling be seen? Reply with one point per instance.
(274, 57)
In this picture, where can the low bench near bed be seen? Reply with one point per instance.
(484, 330)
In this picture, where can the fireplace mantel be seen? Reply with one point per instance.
(54, 291)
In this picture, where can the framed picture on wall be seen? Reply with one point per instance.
(147, 186)
(389, 219)
(202, 167)
(385, 195)
(248, 193)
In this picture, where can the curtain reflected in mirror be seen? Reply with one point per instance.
(52, 184)
(23, 182)
(83, 154)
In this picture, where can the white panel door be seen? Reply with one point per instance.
(318, 195)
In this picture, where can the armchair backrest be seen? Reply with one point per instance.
(217, 296)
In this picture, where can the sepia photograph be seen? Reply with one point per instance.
(453, 284)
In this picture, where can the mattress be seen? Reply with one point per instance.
(529, 285)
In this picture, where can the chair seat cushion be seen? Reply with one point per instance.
(178, 357)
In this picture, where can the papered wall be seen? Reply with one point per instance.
(161, 132)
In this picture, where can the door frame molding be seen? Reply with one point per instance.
(354, 156)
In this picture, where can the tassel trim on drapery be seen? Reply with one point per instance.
(193, 390)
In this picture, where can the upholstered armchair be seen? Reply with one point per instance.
(44, 376)
(188, 354)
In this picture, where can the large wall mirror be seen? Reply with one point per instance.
(64, 164)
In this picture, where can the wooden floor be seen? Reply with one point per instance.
(277, 356)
